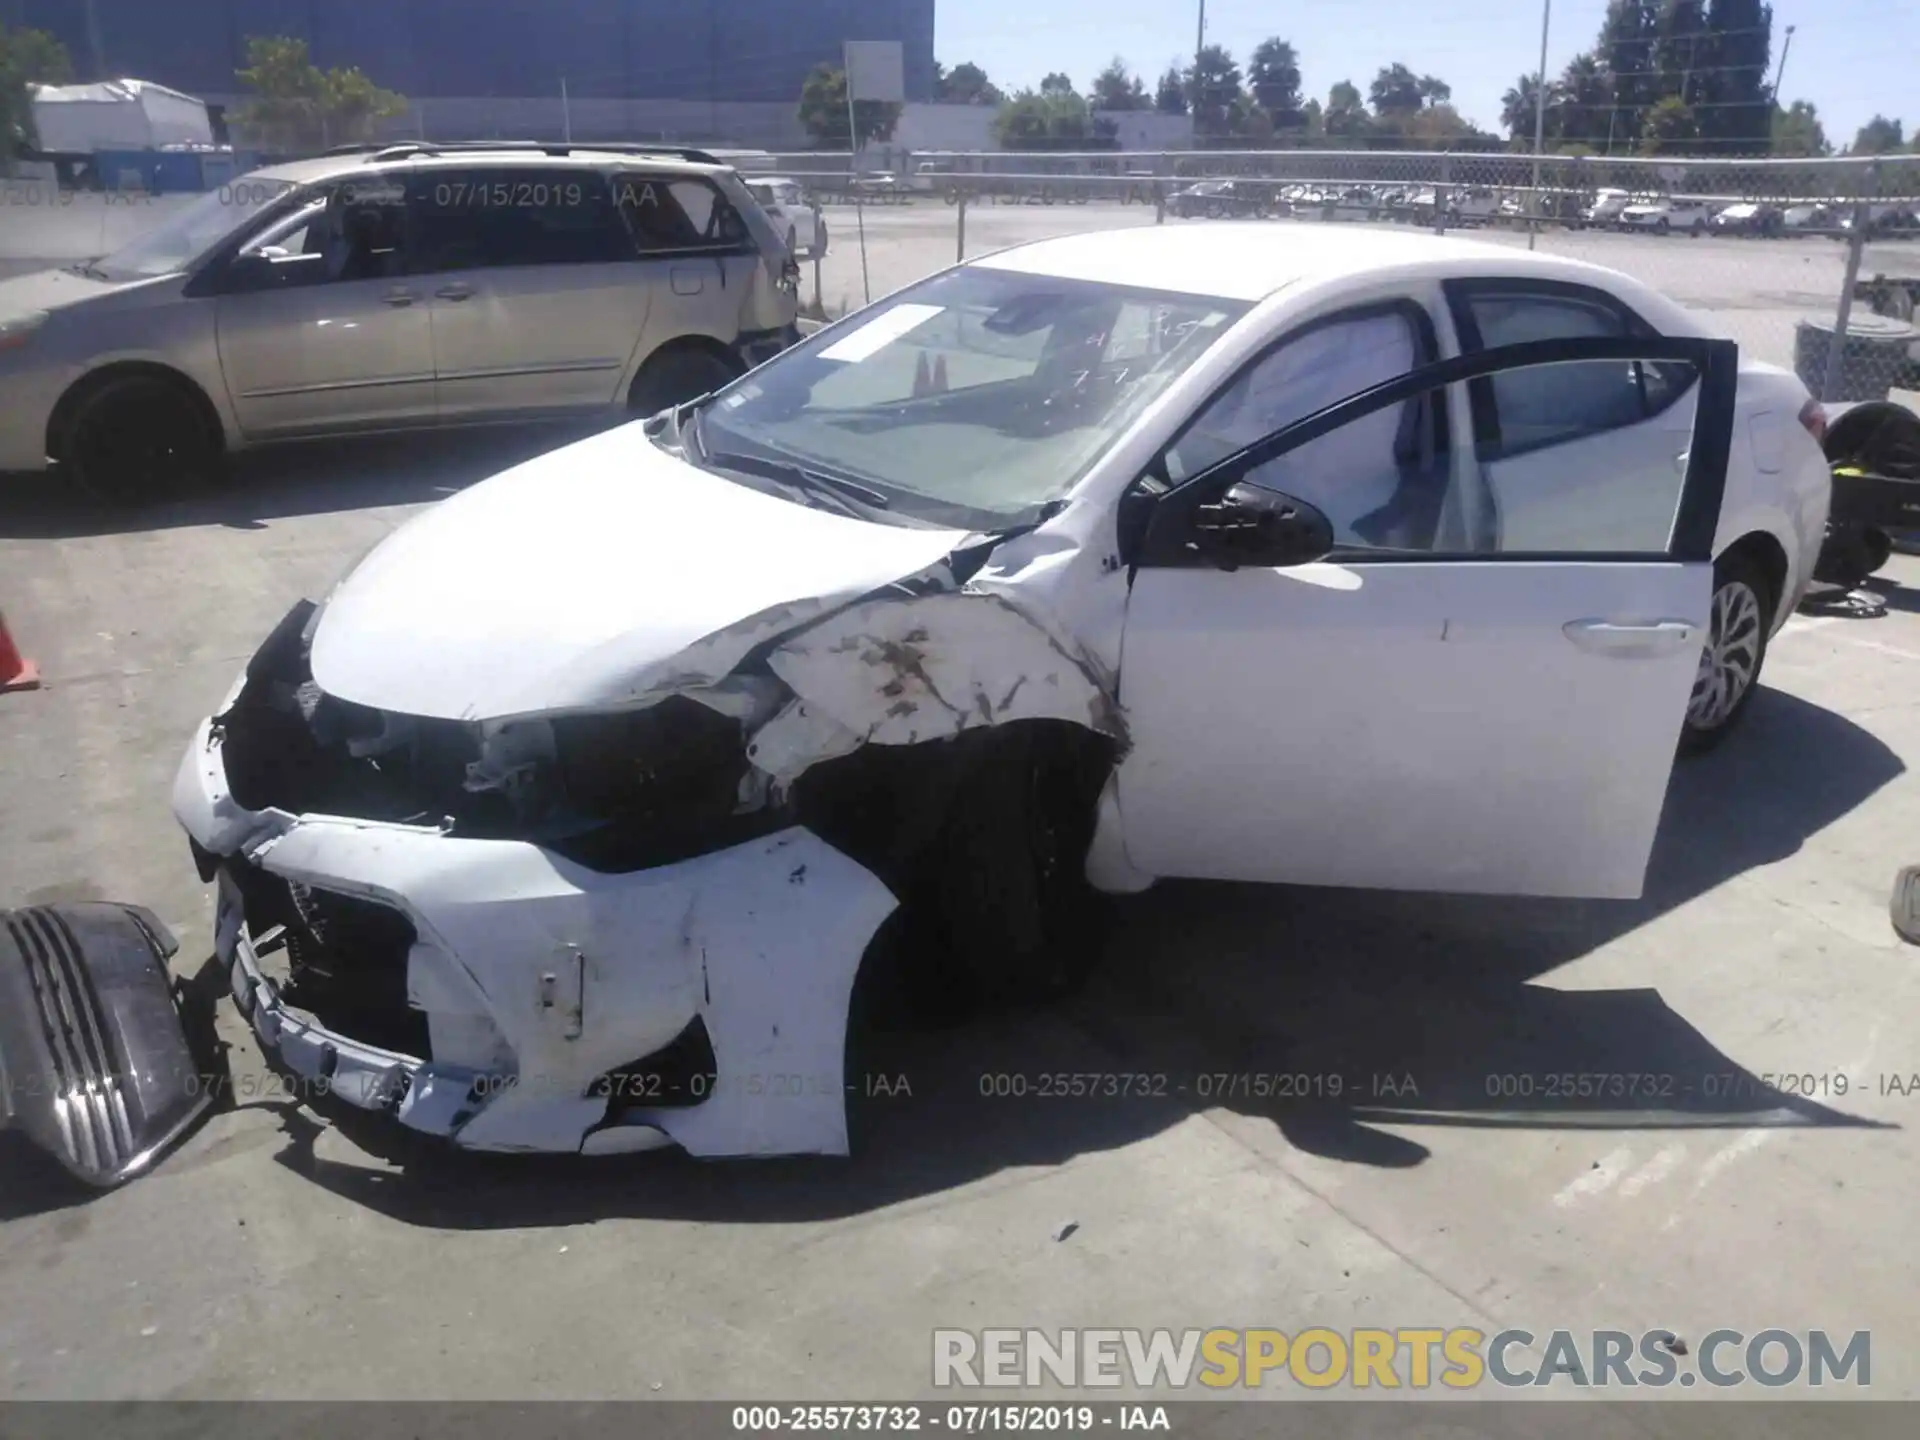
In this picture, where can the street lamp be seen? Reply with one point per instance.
(1782, 69)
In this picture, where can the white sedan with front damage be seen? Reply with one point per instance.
(569, 819)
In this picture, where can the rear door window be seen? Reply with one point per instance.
(515, 216)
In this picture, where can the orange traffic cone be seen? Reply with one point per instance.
(940, 375)
(16, 671)
(922, 378)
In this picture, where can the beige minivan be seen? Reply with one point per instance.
(409, 286)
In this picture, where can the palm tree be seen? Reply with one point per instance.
(1586, 97)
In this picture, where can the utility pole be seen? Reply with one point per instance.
(96, 53)
(1539, 117)
(1199, 44)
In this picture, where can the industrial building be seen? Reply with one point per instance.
(706, 69)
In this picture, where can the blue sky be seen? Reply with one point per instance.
(1850, 57)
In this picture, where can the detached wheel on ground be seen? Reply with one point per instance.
(139, 438)
(676, 376)
(1735, 649)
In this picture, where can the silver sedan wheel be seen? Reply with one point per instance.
(1730, 659)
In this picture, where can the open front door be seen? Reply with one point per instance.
(1423, 708)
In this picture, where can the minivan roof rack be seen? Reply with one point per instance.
(399, 149)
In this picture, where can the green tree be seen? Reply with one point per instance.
(1213, 85)
(1669, 128)
(1396, 91)
(1170, 96)
(966, 84)
(1346, 113)
(1517, 110)
(1734, 96)
(1879, 136)
(823, 111)
(1585, 102)
(1273, 78)
(1036, 119)
(1118, 88)
(27, 58)
(1057, 83)
(297, 105)
(1797, 131)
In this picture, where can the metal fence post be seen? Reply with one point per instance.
(960, 249)
(1856, 242)
(1440, 193)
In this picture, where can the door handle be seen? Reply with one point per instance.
(454, 292)
(400, 298)
(1632, 640)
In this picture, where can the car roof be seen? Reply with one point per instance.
(399, 159)
(1251, 261)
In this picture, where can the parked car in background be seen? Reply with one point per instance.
(1748, 217)
(1884, 221)
(1605, 210)
(1330, 557)
(1221, 200)
(1806, 219)
(1667, 214)
(802, 226)
(408, 286)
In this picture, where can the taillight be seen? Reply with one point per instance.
(1813, 419)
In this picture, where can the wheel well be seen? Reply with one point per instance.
(94, 381)
(1771, 557)
(682, 344)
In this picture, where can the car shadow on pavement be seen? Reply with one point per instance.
(283, 482)
(1327, 1013)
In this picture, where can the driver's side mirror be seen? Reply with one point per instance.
(1251, 525)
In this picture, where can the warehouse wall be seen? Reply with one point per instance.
(691, 50)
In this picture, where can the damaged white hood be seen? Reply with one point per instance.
(599, 575)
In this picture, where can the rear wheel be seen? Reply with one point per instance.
(1662, 226)
(673, 377)
(140, 438)
(1735, 649)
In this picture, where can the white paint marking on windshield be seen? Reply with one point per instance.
(880, 332)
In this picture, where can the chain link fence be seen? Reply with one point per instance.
(1812, 264)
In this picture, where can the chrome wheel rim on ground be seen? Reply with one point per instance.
(1730, 658)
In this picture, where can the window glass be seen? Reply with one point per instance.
(1398, 486)
(973, 398)
(1348, 473)
(1546, 404)
(1540, 405)
(684, 214)
(475, 219)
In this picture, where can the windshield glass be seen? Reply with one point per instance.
(189, 234)
(972, 399)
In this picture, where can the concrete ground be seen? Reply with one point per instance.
(285, 1254)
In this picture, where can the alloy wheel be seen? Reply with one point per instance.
(1730, 659)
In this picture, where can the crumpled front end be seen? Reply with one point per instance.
(607, 931)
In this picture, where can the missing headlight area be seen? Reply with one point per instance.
(581, 930)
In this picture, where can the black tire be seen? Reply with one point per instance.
(1739, 624)
(140, 438)
(1010, 914)
(677, 375)
(1662, 226)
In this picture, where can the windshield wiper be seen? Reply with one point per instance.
(89, 268)
(850, 497)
